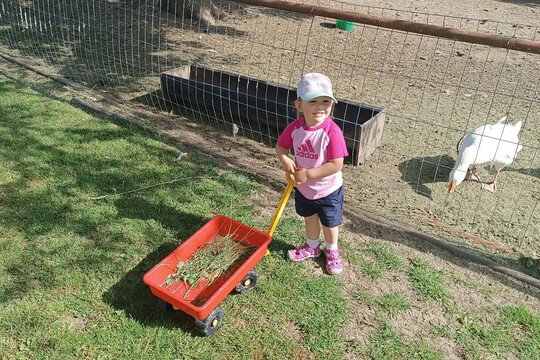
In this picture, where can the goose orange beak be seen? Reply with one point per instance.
(452, 187)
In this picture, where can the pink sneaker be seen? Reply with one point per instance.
(334, 266)
(303, 252)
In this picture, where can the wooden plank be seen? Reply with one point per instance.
(370, 135)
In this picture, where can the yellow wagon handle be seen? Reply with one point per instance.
(279, 211)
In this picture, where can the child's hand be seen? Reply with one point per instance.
(300, 176)
(288, 164)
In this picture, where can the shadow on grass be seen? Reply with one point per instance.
(134, 207)
(56, 228)
(135, 298)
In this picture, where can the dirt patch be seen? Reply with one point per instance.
(76, 324)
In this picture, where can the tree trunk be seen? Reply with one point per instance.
(202, 10)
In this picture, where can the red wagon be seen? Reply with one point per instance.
(201, 301)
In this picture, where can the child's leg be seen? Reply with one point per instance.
(313, 227)
(334, 265)
(331, 237)
(311, 247)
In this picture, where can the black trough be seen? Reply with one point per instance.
(251, 103)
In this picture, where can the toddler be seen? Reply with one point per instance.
(319, 149)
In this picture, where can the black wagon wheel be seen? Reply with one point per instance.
(164, 306)
(248, 283)
(209, 325)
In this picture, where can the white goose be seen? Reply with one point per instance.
(497, 144)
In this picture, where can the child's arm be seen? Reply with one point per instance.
(326, 169)
(286, 162)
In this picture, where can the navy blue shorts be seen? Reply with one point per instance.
(329, 208)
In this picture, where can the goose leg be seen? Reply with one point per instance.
(491, 186)
(472, 175)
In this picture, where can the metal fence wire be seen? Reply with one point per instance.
(237, 69)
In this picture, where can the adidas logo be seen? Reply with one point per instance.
(306, 151)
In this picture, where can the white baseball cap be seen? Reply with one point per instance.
(313, 85)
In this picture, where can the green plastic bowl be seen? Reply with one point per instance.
(345, 25)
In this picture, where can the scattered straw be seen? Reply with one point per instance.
(210, 262)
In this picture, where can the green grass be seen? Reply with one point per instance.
(71, 266)
(389, 344)
(391, 303)
(491, 333)
(428, 281)
(515, 331)
(385, 260)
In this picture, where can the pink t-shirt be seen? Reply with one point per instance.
(312, 148)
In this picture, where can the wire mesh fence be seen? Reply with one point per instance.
(431, 90)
